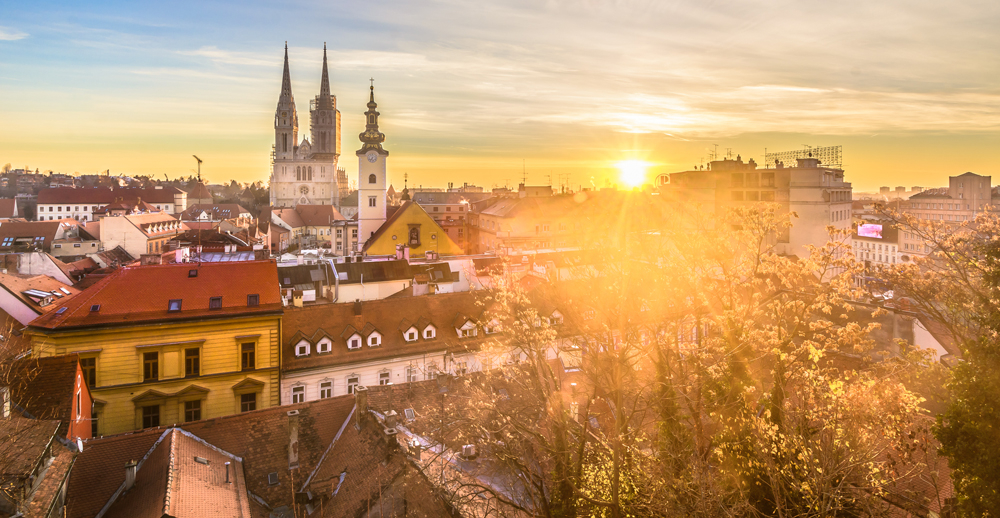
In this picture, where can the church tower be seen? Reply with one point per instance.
(325, 120)
(371, 176)
(286, 121)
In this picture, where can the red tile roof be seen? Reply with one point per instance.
(8, 206)
(260, 438)
(104, 195)
(184, 476)
(135, 294)
(41, 233)
(24, 442)
(318, 215)
(17, 285)
(45, 387)
(312, 323)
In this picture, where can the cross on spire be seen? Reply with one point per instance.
(372, 80)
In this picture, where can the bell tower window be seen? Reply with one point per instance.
(372, 179)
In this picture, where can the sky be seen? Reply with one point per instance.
(490, 92)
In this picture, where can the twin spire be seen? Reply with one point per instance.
(286, 80)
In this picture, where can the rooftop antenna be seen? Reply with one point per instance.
(524, 173)
(729, 152)
(713, 154)
(199, 167)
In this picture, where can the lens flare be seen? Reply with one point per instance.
(632, 172)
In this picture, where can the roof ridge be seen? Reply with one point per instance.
(171, 468)
(121, 488)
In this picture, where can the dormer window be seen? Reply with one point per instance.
(354, 342)
(411, 335)
(492, 327)
(253, 300)
(556, 318)
(324, 346)
(215, 303)
(429, 332)
(302, 348)
(174, 305)
(374, 340)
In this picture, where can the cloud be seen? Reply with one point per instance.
(8, 34)
(228, 57)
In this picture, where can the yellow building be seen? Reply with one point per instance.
(172, 343)
(411, 226)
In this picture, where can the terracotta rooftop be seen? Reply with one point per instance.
(24, 443)
(318, 215)
(104, 195)
(184, 476)
(44, 387)
(339, 322)
(38, 234)
(137, 294)
(8, 206)
(260, 438)
(216, 211)
(35, 290)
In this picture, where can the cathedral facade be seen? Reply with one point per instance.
(306, 172)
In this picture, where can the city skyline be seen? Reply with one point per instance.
(474, 94)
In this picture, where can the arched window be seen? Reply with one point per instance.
(284, 138)
(310, 173)
(372, 179)
(298, 173)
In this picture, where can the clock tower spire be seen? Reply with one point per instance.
(371, 175)
(286, 121)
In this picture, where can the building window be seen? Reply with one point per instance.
(411, 336)
(429, 332)
(298, 394)
(354, 233)
(89, 368)
(326, 389)
(374, 340)
(352, 383)
(248, 402)
(247, 356)
(253, 300)
(371, 201)
(174, 305)
(151, 416)
(215, 303)
(383, 378)
(192, 362)
(302, 349)
(150, 366)
(372, 179)
(192, 411)
(411, 374)
(324, 346)
(431, 372)
(93, 425)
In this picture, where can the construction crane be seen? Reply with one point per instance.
(199, 167)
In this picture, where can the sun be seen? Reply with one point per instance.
(632, 172)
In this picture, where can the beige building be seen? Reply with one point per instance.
(139, 234)
(966, 195)
(817, 194)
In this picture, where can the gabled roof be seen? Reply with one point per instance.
(318, 215)
(261, 439)
(39, 234)
(200, 191)
(398, 213)
(290, 217)
(185, 476)
(31, 290)
(217, 211)
(135, 294)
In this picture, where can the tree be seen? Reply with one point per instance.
(958, 284)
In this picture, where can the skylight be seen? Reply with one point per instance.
(174, 305)
(95, 308)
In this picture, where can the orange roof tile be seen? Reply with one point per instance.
(137, 294)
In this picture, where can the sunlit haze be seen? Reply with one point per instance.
(633, 172)
(478, 92)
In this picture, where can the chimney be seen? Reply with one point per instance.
(227, 472)
(361, 402)
(390, 419)
(130, 469)
(399, 251)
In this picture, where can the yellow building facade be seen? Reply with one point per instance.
(411, 226)
(169, 344)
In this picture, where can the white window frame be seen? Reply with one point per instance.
(302, 348)
(430, 332)
(298, 394)
(352, 385)
(411, 334)
(412, 374)
(374, 339)
(354, 339)
(384, 377)
(324, 346)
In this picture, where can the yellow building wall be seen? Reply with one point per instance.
(119, 367)
(432, 236)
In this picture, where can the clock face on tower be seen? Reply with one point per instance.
(372, 156)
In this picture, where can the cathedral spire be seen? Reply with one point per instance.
(286, 81)
(372, 137)
(324, 86)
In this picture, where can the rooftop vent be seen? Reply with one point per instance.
(292, 412)
(95, 308)
(201, 460)
(192, 273)
(409, 413)
(272, 479)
